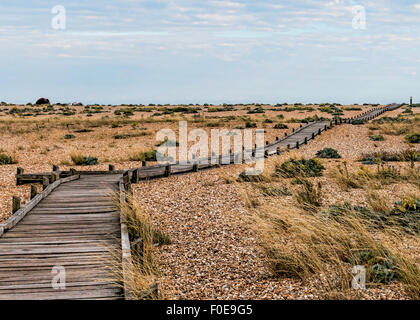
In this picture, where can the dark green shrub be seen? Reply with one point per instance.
(281, 126)
(249, 124)
(300, 168)
(5, 159)
(80, 160)
(328, 153)
(413, 138)
(69, 136)
(377, 138)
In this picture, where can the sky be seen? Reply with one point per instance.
(209, 51)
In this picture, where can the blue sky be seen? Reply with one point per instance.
(189, 51)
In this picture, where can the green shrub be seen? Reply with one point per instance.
(69, 136)
(300, 168)
(81, 160)
(249, 124)
(281, 126)
(413, 138)
(149, 155)
(6, 159)
(377, 138)
(328, 153)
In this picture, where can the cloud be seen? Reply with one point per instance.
(228, 4)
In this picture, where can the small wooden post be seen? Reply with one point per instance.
(297, 144)
(55, 176)
(313, 135)
(45, 182)
(34, 192)
(277, 138)
(306, 140)
(55, 168)
(168, 170)
(111, 168)
(288, 146)
(293, 130)
(325, 128)
(300, 126)
(15, 204)
(19, 171)
(267, 143)
(195, 167)
(278, 150)
(285, 134)
(411, 101)
(266, 154)
(135, 178)
(72, 171)
(144, 163)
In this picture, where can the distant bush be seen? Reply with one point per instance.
(358, 122)
(6, 159)
(300, 168)
(281, 126)
(148, 155)
(69, 136)
(413, 138)
(83, 130)
(249, 124)
(328, 153)
(377, 138)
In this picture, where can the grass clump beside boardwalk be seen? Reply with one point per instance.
(80, 160)
(300, 168)
(328, 153)
(143, 155)
(6, 159)
(144, 238)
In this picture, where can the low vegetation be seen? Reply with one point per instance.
(6, 159)
(328, 153)
(80, 160)
(300, 168)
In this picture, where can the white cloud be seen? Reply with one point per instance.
(229, 4)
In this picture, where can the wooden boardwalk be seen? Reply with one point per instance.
(74, 227)
(77, 224)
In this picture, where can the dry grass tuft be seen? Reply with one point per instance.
(320, 247)
(144, 272)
